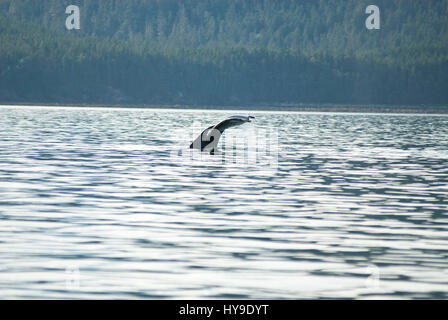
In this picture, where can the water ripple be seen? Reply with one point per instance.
(94, 205)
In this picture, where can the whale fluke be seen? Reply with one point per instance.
(208, 139)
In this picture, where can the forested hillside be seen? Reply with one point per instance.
(224, 52)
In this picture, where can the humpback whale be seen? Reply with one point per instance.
(208, 139)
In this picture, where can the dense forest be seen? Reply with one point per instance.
(223, 52)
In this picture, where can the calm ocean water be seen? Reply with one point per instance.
(109, 203)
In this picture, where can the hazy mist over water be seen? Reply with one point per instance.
(100, 203)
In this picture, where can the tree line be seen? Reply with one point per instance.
(224, 52)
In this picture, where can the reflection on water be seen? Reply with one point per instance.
(93, 205)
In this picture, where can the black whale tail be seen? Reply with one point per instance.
(208, 139)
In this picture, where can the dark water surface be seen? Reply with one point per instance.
(100, 203)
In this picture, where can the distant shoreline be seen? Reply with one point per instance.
(302, 107)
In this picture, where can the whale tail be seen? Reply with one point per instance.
(209, 138)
